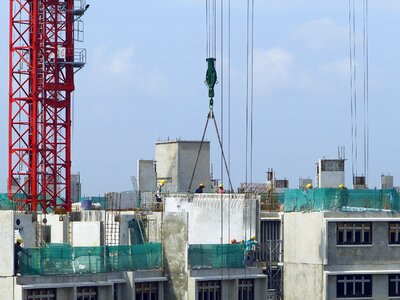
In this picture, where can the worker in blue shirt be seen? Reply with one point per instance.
(199, 190)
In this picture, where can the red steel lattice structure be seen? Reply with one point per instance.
(42, 63)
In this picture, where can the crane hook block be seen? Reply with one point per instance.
(211, 76)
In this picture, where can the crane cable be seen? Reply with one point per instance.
(353, 86)
(211, 80)
(366, 89)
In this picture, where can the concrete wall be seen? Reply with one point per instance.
(59, 229)
(229, 284)
(304, 235)
(75, 187)
(85, 234)
(147, 178)
(379, 287)
(176, 161)
(26, 230)
(7, 288)
(175, 259)
(303, 281)
(207, 226)
(7, 243)
(379, 255)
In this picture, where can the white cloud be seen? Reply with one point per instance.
(120, 62)
(272, 68)
(323, 33)
(340, 67)
(119, 66)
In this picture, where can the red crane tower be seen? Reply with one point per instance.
(42, 64)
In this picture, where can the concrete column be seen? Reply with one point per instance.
(260, 287)
(175, 260)
(65, 293)
(229, 289)
(128, 289)
(105, 292)
(7, 243)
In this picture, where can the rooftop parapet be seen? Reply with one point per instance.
(324, 199)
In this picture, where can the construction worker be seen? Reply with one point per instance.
(17, 255)
(251, 247)
(159, 188)
(199, 190)
(309, 186)
(342, 186)
(221, 189)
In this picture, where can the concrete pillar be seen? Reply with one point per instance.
(229, 289)
(7, 243)
(128, 289)
(105, 292)
(260, 287)
(175, 238)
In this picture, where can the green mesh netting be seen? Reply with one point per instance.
(5, 203)
(59, 259)
(146, 255)
(341, 199)
(88, 260)
(216, 256)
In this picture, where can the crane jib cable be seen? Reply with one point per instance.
(211, 116)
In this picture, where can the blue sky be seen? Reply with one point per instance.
(144, 81)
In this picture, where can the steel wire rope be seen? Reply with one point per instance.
(365, 91)
(355, 88)
(222, 125)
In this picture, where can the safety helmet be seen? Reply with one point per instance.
(201, 185)
(221, 185)
(341, 186)
(19, 240)
(308, 186)
(253, 237)
(162, 181)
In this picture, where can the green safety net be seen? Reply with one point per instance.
(5, 203)
(341, 199)
(62, 259)
(216, 256)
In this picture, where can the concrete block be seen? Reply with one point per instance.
(86, 234)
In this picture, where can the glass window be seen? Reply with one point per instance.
(356, 233)
(146, 290)
(246, 289)
(394, 285)
(41, 294)
(86, 293)
(209, 290)
(353, 286)
(394, 233)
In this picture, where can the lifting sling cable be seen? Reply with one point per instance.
(211, 116)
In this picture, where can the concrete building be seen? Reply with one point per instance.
(200, 261)
(330, 173)
(184, 252)
(341, 244)
(76, 189)
(72, 262)
(176, 160)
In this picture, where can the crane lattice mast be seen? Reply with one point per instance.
(42, 63)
